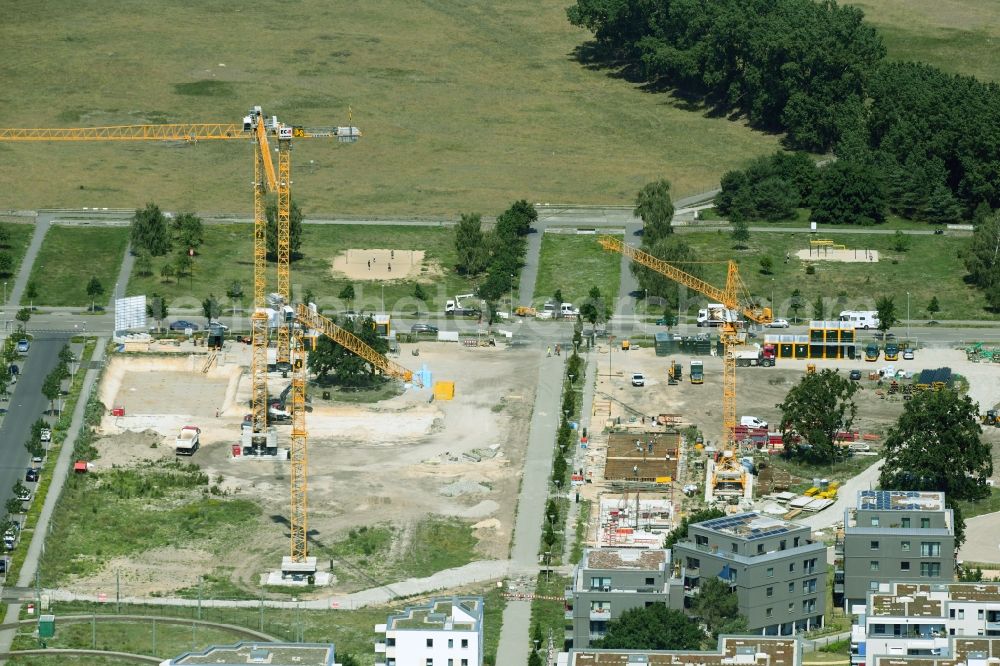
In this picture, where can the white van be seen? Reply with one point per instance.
(752, 422)
(567, 310)
(864, 319)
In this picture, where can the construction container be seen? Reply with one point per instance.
(665, 344)
(46, 626)
(444, 390)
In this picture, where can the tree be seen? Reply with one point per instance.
(156, 307)
(559, 469)
(190, 231)
(14, 506)
(143, 263)
(766, 264)
(933, 307)
(534, 659)
(211, 308)
(593, 309)
(419, 293)
(885, 308)
(937, 444)
(235, 292)
(900, 242)
(818, 309)
(51, 388)
(551, 511)
(536, 634)
(6, 263)
(333, 363)
(183, 264)
(795, 304)
(982, 258)
(676, 252)
(149, 231)
(295, 218)
(24, 316)
(517, 219)
(347, 294)
(820, 406)
(681, 531)
(94, 289)
(557, 296)
(469, 244)
(718, 608)
(654, 207)
(31, 290)
(167, 272)
(653, 627)
(548, 536)
(848, 193)
(347, 660)
(4, 237)
(740, 232)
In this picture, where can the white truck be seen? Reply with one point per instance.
(187, 441)
(715, 314)
(454, 307)
(863, 319)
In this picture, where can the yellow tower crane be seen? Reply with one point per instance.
(735, 298)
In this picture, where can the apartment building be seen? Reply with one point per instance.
(732, 651)
(609, 581)
(905, 622)
(447, 631)
(776, 570)
(893, 535)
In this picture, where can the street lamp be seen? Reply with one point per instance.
(511, 314)
(383, 298)
(907, 317)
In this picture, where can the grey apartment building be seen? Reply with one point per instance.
(776, 570)
(609, 581)
(893, 535)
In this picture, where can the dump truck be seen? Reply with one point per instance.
(871, 352)
(697, 372)
(891, 351)
(762, 356)
(187, 441)
(456, 308)
(715, 314)
(990, 418)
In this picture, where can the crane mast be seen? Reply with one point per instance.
(729, 470)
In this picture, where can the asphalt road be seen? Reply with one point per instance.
(26, 404)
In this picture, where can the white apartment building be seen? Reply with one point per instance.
(905, 622)
(447, 631)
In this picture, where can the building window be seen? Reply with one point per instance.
(770, 592)
(809, 586)
(874, 521)
(979, 614)
(465, 662)
(809, 606)
(600, 583)
(735, 547)
(451, 662)
(700, 540)
(904, 566)
(600, 606)
(650, 581)
(430, 661)
(873, 565)
(925, 523)
(904, 546)
(951, 613)
(905, 523)
(795, 542)
(878, 630)
(791, 567)
(932, 570)
(451, 642)
(781, 545)
(693, 563)
(465, 642)
(760, 549)
(961, 613)
(770, 572)
(791, 588)
(791, 606)
(873, 585)
(930, 549)
(769, 612)
(874, 545)
(809, 565)
(430, 642)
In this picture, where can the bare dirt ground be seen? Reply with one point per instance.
(362, 264)
(397, 461)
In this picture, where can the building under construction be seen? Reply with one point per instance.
(631, 521)
(648, 457)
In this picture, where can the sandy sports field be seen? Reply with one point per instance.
(381, 264)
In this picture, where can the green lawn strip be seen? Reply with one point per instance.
(550, 614)
(20, 237)
(141, 508)
(493, 606)
(989, 504)
(574, 264)
(930, 267)
(171, 640)
(438, 544)
(70, 256)
(45, 478)
(580, 538)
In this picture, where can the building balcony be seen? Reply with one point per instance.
(838, 547)
(568, 594)
(600, 615)
(568, 615)
(992, 626)
(379, 647)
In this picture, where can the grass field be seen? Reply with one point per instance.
(960, 36)
(549, 614)
(70, 256)
(20, 236)
(464, 106)
(321, 243)
(988, 504)
(930, 267)
(574, 264)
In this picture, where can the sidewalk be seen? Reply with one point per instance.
(586, 411)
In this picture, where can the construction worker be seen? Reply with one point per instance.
(548, 351)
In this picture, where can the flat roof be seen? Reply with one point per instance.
(900, 500)
(748, 650)
(927, 599)
(960, 650)
(441, 614)
(749, 526)
(626, 559)
(273, 654)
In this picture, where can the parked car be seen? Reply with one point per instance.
(856, 375)
(424, 328)
(778, 323)
(218, 324)
(182, 324)
(31, 475)
(638, 379)
(907, 354)
(24, 495)
(23, 346)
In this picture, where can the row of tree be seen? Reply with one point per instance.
(922, 140)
